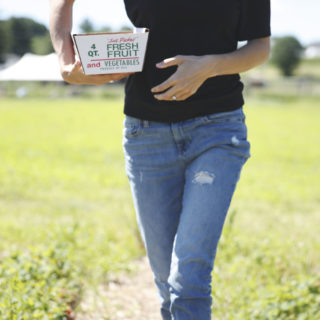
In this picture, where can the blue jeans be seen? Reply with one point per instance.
(182, 177)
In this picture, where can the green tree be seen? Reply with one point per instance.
(125, 28)
(105, 29)
(20, 35)
(87, 26)
(286, 54)
(41, 44)
(22, 31)
(5, 40)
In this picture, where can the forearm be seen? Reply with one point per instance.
(192, 71)
(254, 53)
(60, 29)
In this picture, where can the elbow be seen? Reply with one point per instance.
(265, 55)
(266, 51)
(262, 48)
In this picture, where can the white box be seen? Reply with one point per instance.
(112, 52)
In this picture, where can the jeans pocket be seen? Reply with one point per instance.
(132, 127)
(229, 116)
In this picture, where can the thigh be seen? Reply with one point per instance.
(156, 178)
(210, 181)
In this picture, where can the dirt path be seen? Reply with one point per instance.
(127, 297)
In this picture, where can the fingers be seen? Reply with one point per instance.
(77, 63)
(169, 95)
(180, 92)
(164, 85)
(174, 61)
(119, 76)
(106, 78)
(76, 67)
(74, 74)
(99, 79)
(185, 95)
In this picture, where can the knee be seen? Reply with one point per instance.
(191, 278)
(163, 292)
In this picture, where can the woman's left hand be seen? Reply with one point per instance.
(191, 73)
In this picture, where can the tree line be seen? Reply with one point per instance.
(22, 35)
(19, 35)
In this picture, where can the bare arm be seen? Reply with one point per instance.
(60, 29)
(254, 53)
(194, 70)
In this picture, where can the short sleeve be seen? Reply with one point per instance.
(254, 19)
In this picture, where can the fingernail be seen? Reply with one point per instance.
(159, 64)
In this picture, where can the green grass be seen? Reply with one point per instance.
(304, 84)
(267, 265)
(67, 216)
(306, 68)
(62, 178)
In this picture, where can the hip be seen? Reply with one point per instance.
(188, 138)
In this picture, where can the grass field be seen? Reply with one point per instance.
(67, 218)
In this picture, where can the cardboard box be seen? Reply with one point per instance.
(114, 52)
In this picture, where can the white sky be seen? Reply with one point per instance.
(296, 17)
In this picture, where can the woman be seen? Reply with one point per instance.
(185, 138)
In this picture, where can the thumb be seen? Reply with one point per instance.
(174, 61)
(77, 64)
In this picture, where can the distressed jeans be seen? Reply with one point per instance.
(182, 177)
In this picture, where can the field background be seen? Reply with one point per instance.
(68, 223)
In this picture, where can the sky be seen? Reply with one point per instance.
(300, 18)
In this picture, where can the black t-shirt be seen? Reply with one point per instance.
(191, 27)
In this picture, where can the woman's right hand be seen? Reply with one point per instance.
(74, 74)
(60, 29)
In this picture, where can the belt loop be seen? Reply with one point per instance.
(145, 123)
(205, 118)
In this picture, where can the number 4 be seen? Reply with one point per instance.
(93, 47)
